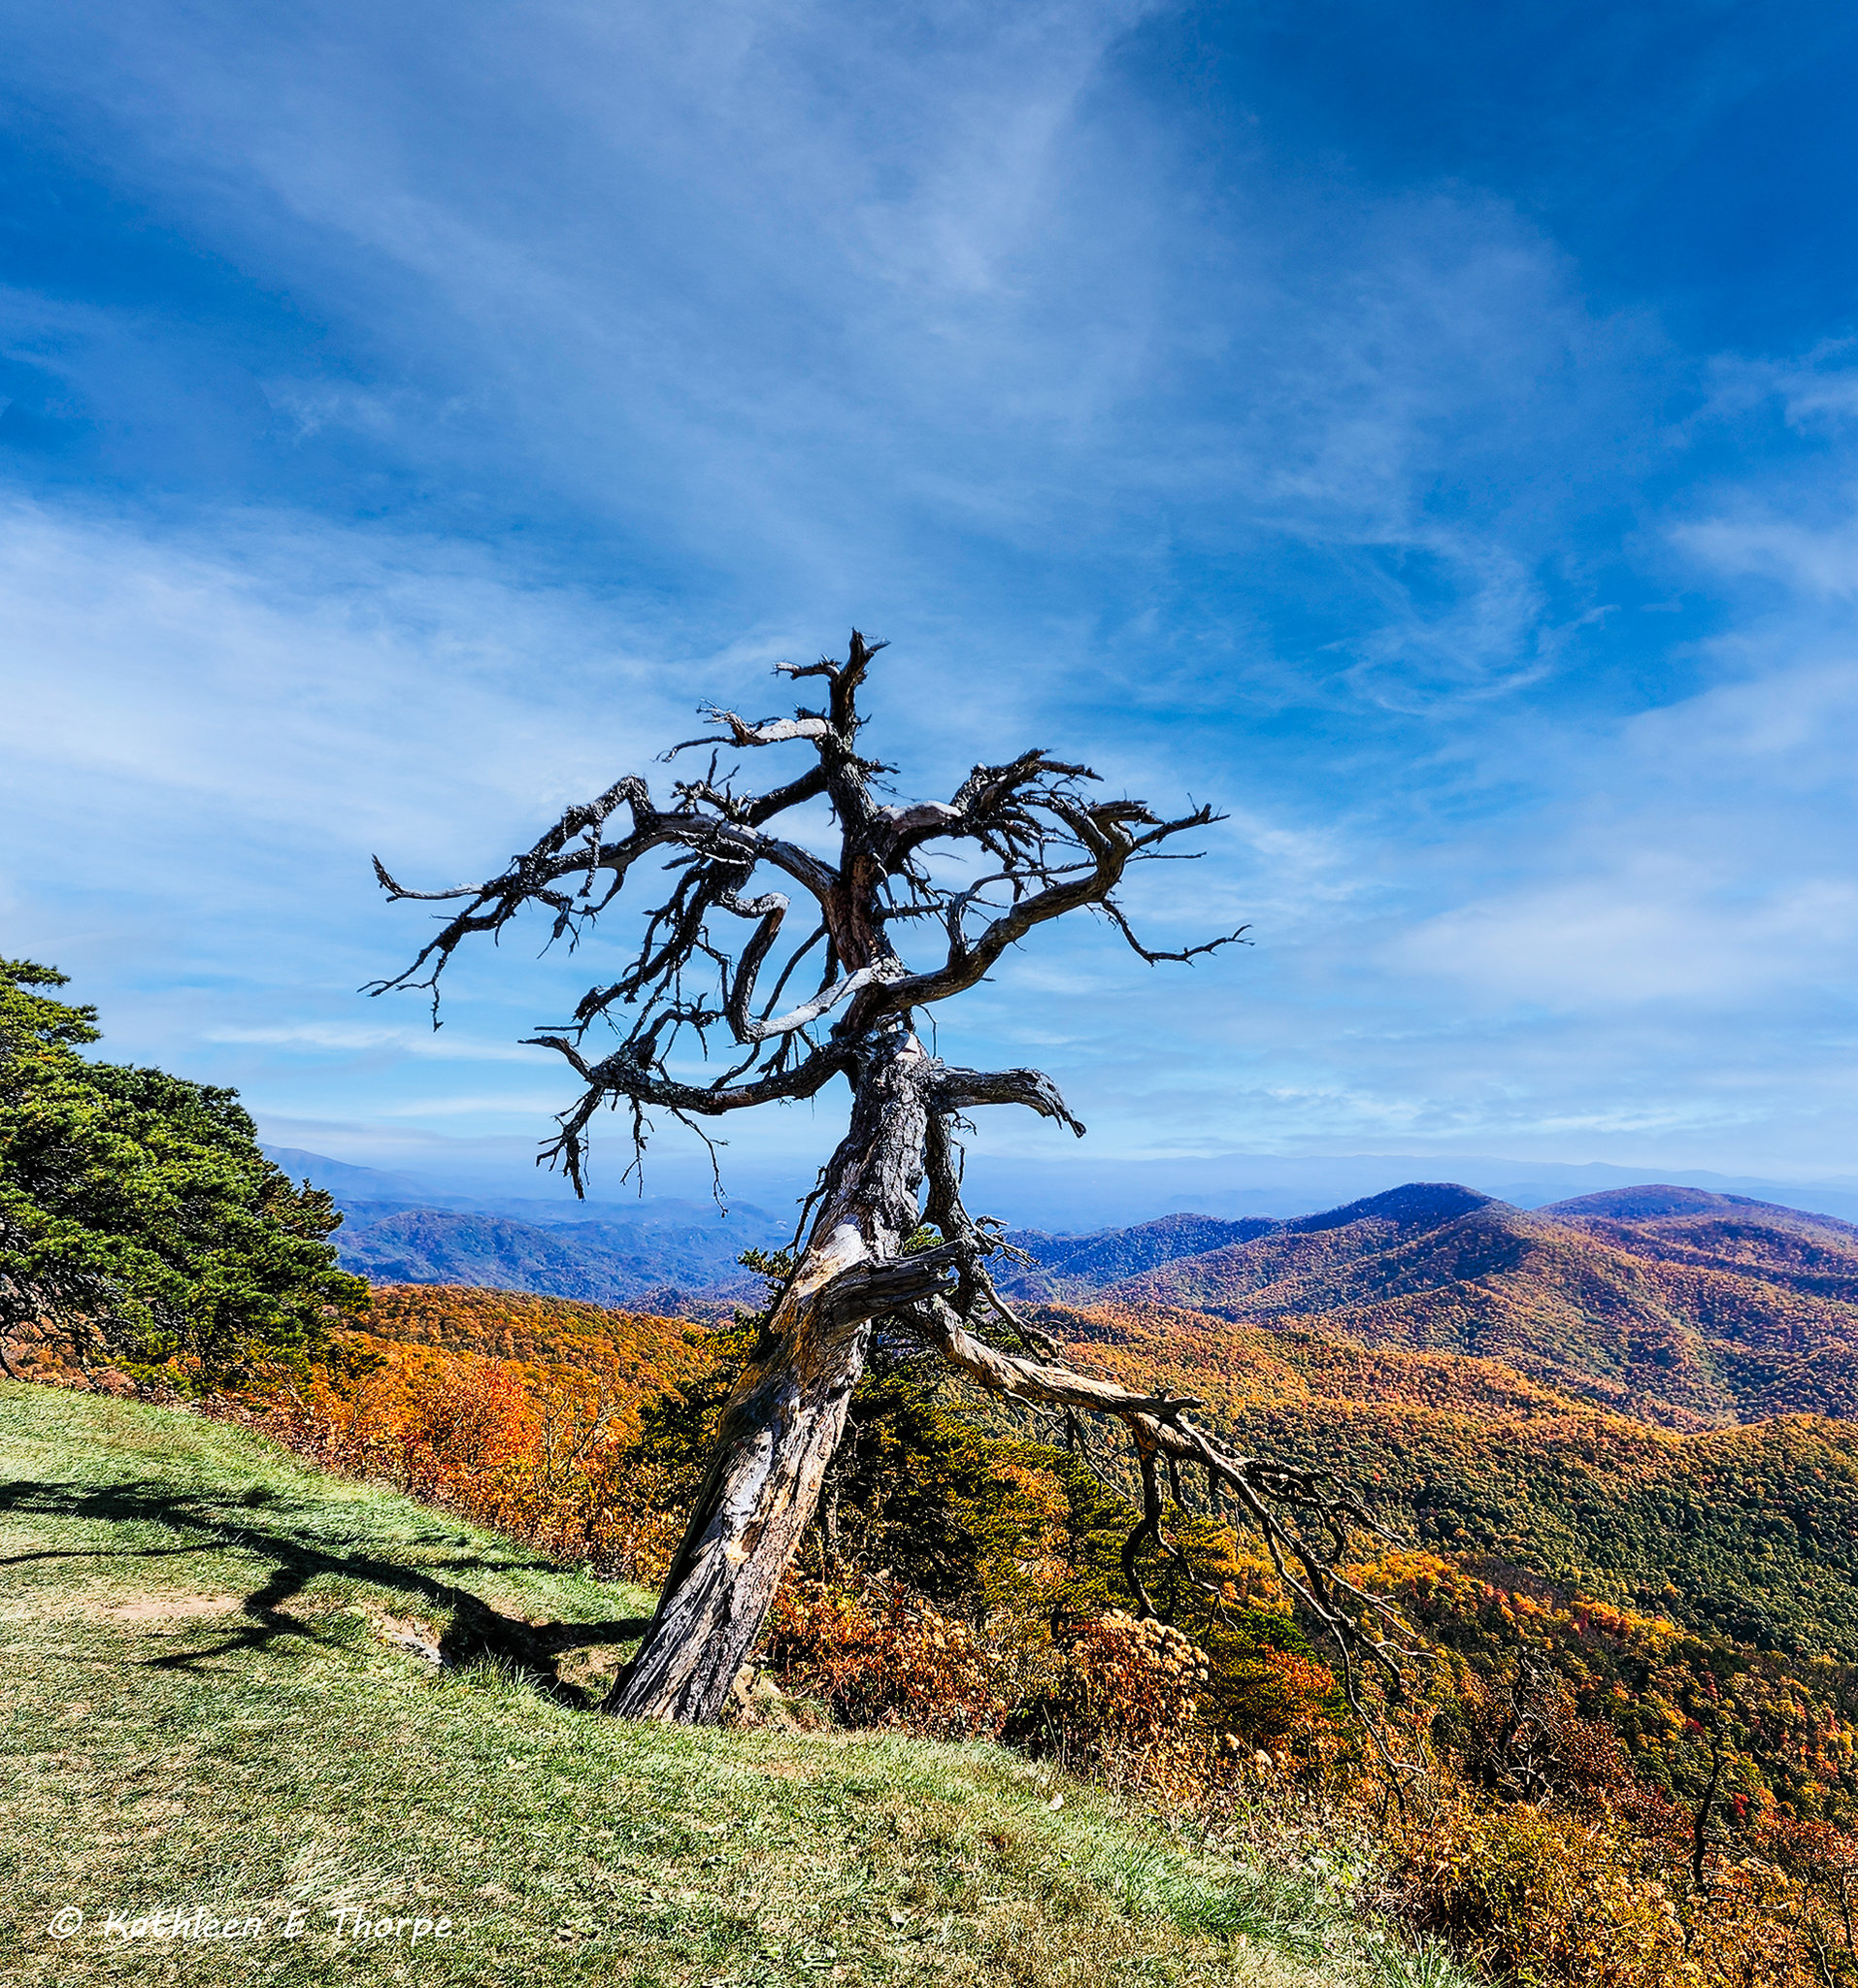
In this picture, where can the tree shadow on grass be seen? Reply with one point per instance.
(472, 1628)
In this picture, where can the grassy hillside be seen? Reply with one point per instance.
(222, 1699)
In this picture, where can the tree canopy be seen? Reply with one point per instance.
(138, 1214)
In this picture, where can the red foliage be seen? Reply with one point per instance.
(878, 1656)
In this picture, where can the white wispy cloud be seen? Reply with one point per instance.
(643, 349)
(447, 1047)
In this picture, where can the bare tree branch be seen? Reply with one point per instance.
(957, 1090)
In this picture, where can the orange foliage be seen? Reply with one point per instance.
(1537, 1896)
(535, 1451)
(878, 1656)
(637, 1353)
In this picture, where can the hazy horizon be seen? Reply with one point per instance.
(1076, 1198)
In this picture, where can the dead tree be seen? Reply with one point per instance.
(1015, 846)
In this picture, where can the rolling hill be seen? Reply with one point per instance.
(1748, 1532)
(1075, 1266)
(1814, 1255)
(1647, 1393)
(1675, 1306)
(640, 1349)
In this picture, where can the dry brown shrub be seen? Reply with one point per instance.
(1125, 1699)
(1524, 1741)
(1821, 1866)
(875, 1655)
(1548, 1899)
(1540, 1897)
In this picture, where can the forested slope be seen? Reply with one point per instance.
(1750, 1531)
(1066, 1266)
(642, 1348)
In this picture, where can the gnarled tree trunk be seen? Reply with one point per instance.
(782, 1423)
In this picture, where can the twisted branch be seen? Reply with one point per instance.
(1048, 847)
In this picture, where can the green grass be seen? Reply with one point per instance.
(216, 1702)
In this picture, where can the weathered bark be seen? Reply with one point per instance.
(782, 1423)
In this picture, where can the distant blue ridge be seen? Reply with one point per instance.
(658, 1253)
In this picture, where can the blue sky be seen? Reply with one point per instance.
(1429, 432)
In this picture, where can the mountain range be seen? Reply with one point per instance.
(1646, 1393)
(653, 1253)
(1672, 1305)
(661, 1265)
